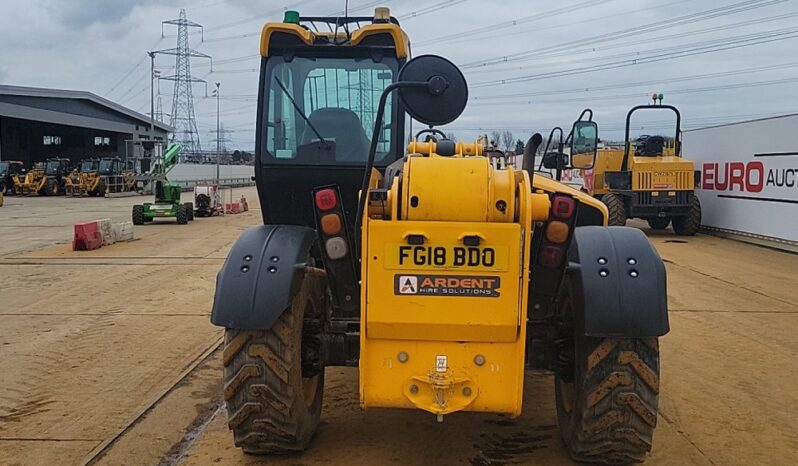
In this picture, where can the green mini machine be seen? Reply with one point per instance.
(167, 194)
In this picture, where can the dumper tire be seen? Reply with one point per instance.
(607, 399)
(189, 210)
(616, 209)
(272, 408)
(138, 215)
(659, 223)
(687, 225)
(3, 188)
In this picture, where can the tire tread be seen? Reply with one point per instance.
(267, 411)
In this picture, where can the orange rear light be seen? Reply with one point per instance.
(331, 224)
(557, 232)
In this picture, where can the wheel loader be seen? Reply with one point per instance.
(648, 179)
(439, 276)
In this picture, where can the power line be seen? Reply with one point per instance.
(134, 68)
(430, 9)
(792, 33)
(722, 87)
(737, 25)
(491, 28)
(670, 79)
(414, 14)
(498, 33)
(641, 29)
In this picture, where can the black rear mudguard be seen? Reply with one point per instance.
(261, 275)
(619, 283)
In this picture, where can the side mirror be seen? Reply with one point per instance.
(584, 142)
(443, 95)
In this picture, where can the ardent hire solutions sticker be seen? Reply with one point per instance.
(447, 285)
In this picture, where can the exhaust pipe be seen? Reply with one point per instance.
(530, 150)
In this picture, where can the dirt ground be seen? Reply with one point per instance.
(108, 357)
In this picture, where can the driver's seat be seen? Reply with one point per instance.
(342, 126)
(651, 146)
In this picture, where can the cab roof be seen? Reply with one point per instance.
(381, 31)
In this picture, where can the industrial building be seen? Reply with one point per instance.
(39, 123)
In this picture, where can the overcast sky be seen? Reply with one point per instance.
(530, 64)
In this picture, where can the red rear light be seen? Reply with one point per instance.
(563, 206)
(551, 256)
(326, 199)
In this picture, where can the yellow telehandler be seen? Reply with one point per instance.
(441, 277)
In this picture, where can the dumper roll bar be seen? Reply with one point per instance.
(678, 145)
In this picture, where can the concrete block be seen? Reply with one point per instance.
(122, 231)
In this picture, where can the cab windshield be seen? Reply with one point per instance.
(88, 165)
(3, 168)
(52, 167)
(322, 110)
(106, 167)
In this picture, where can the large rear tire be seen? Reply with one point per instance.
(182, 215)
(272, 407)
(189, 210)
(138, 215)
(659, 223)
(688, 225)
(607, 399)
(616, 208)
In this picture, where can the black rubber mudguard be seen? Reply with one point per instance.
(261, 275)
(619, 282)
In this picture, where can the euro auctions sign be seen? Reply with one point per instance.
(748, 176)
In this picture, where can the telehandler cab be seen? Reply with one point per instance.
(441, 277)
(649, 179)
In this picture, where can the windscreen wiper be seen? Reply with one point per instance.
(301, 113)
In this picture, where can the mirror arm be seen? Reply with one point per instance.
(361, 202)
(548, 144)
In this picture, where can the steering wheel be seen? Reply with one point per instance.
(431, 131)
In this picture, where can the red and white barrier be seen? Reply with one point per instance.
(232, 208)
(95, 234)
